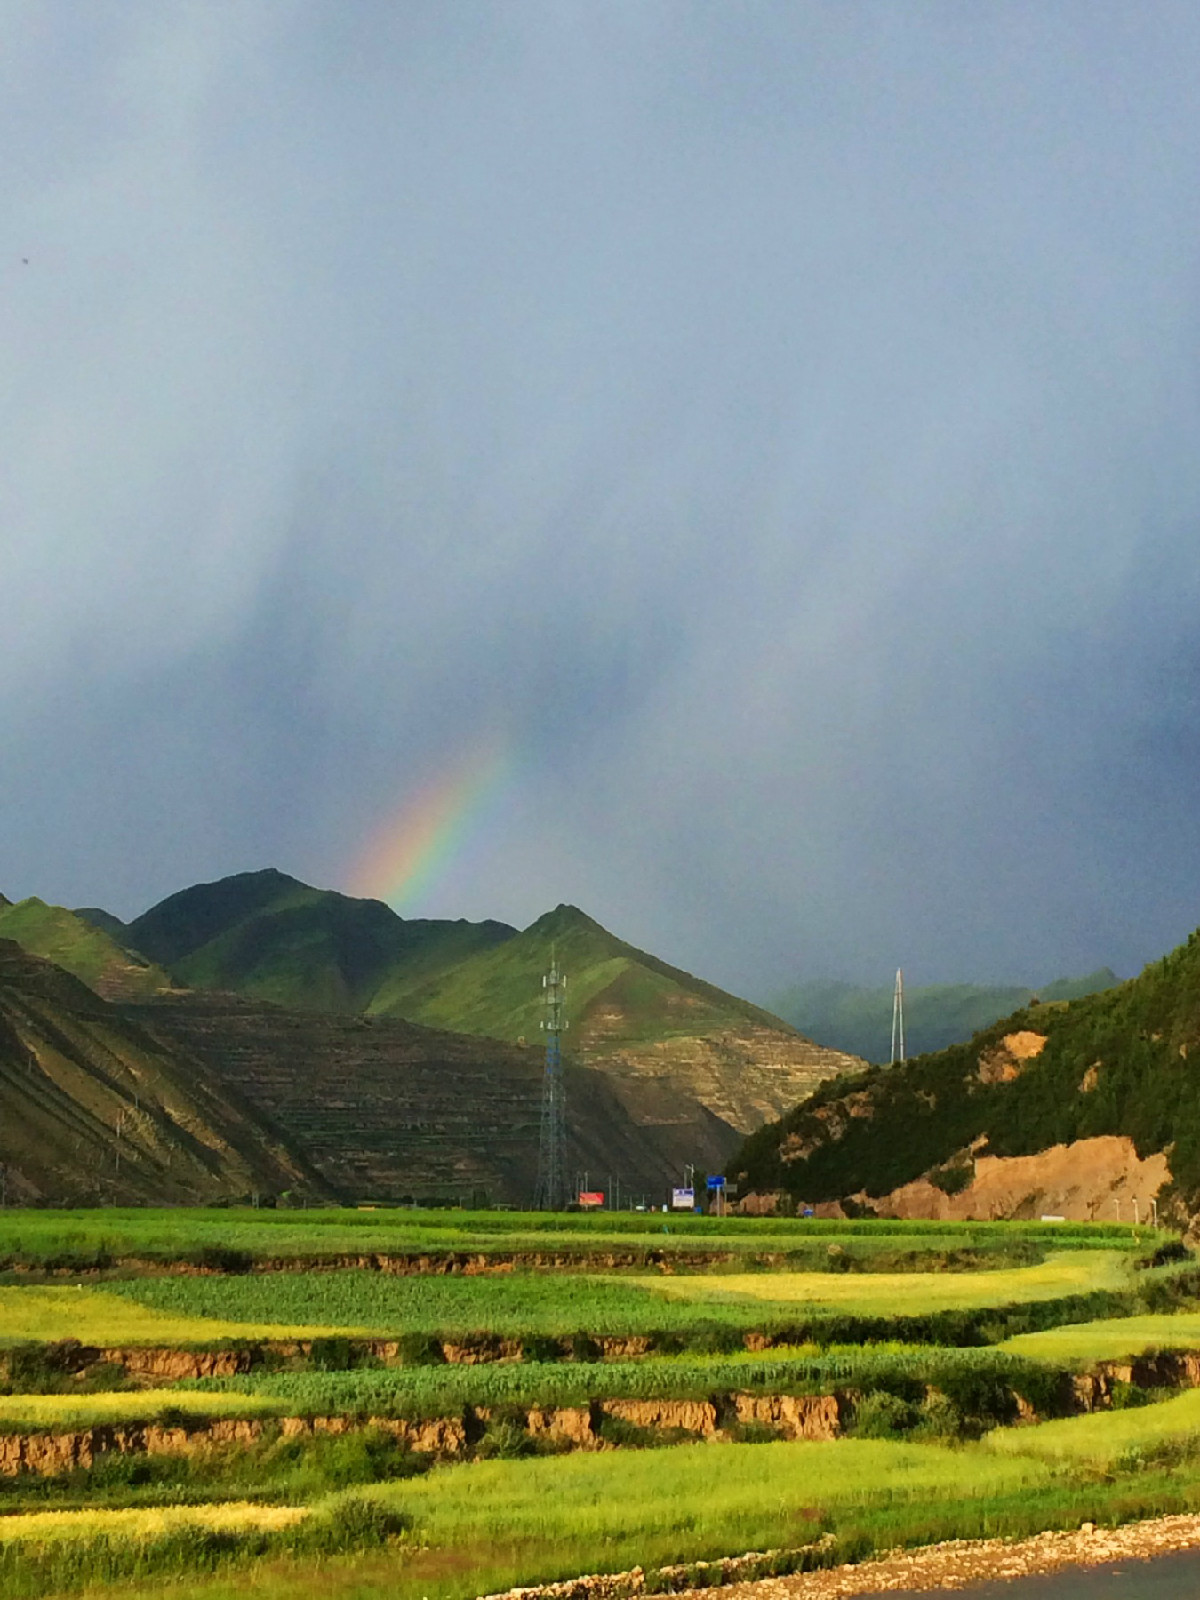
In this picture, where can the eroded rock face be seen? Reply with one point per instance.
(798, 1416)
(1102, 1179)
(163, 1363)
(447, 1438)
(1007, 1060)
(570, 1423)
(692, 1416)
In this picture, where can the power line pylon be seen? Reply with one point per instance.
(898, 1019)
(552, 1147)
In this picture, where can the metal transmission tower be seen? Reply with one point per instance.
(898, 1018)
(552, 1149)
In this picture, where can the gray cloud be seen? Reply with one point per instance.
(775, 425)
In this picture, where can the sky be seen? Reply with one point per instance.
(733, 466)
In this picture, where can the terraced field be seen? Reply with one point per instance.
(456, 1413)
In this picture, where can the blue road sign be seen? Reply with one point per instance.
(716, 1180)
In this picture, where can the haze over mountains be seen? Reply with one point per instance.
(858, 1019)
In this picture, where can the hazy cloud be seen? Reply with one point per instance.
(775, 426)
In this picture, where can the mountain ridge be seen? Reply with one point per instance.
(1117, 1063)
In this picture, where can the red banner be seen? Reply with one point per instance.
(591, 1197)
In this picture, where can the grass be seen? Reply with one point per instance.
(71, 942)
(1109, 1339)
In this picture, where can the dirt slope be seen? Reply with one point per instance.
(94, 1109)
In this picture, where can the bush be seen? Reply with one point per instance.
(41, 1368)
(881, 1415)
(940, 1420)
(354, 1523)
(536, 1348)
(504, 1441)
(1128, 1396)
(421, 1350)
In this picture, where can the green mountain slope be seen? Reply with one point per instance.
(629, 1013)
(1122, 1062)
(270, 936)
(385, 1109)
(849, 1017)
(94, 1108)
(105, 921)
(73, 942)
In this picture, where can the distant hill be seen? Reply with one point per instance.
(270, 936)
(106, 922)
(93, 1108)
(638, 1019)
(848, 1017)
(388, 1110)
(656, 1031)
(79, 945)
(1119, 1063)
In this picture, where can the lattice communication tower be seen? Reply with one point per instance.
(552, 1148)
(898, 1018)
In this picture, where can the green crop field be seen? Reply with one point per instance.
(91, 1238)
(545, 1304)
(523, 1506)
(1109, 1339)
(1103, 1438)
(436, 1391)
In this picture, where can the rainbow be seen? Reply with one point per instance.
(414, 849)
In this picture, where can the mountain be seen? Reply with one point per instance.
(106, 922)
(1115, 1070)
(657, 1032)
(848, 1017)
(94, 1108)
(270, 936)
(73, 941)
(642, 1022)
(386, 1110)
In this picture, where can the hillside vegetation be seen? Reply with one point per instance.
(635, 1017)
(680, 1053)
(73, 942)
(847, 1016)
(273, 937)
(1120, 1062)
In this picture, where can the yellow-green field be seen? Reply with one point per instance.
(95, 1316)
(1103, 1437)
(51, 1527)
(63, 1412)
(1065, 1272)
(1109, 1339)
